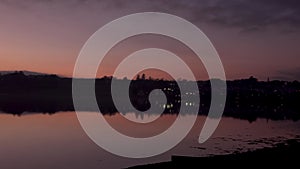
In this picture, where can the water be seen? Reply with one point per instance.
(57, 141)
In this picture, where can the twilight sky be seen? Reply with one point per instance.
(258, 37)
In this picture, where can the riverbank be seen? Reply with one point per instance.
(283, 154)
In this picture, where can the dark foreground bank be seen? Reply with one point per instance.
(285, 154)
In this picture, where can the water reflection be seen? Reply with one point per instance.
(57, 141)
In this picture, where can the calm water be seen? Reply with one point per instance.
(57, 141)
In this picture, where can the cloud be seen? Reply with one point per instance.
(244, 14)
(291, 74)
(247, 15)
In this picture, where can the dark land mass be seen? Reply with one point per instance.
(284, 154)
(246, 98)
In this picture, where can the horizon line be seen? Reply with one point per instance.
(36, 73)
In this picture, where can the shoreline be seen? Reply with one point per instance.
(286, 153)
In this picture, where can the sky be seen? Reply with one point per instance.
(257, 38)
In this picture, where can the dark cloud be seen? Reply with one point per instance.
(245, 14)
(291, 74)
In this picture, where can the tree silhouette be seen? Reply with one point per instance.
(143, 76)
(138, 77)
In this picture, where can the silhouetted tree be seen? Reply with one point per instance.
(138, 77)
(143, 76)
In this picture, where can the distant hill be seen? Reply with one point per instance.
(27, 73)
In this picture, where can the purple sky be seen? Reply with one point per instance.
(259, 37)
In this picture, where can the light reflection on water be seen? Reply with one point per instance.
(57, 141)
